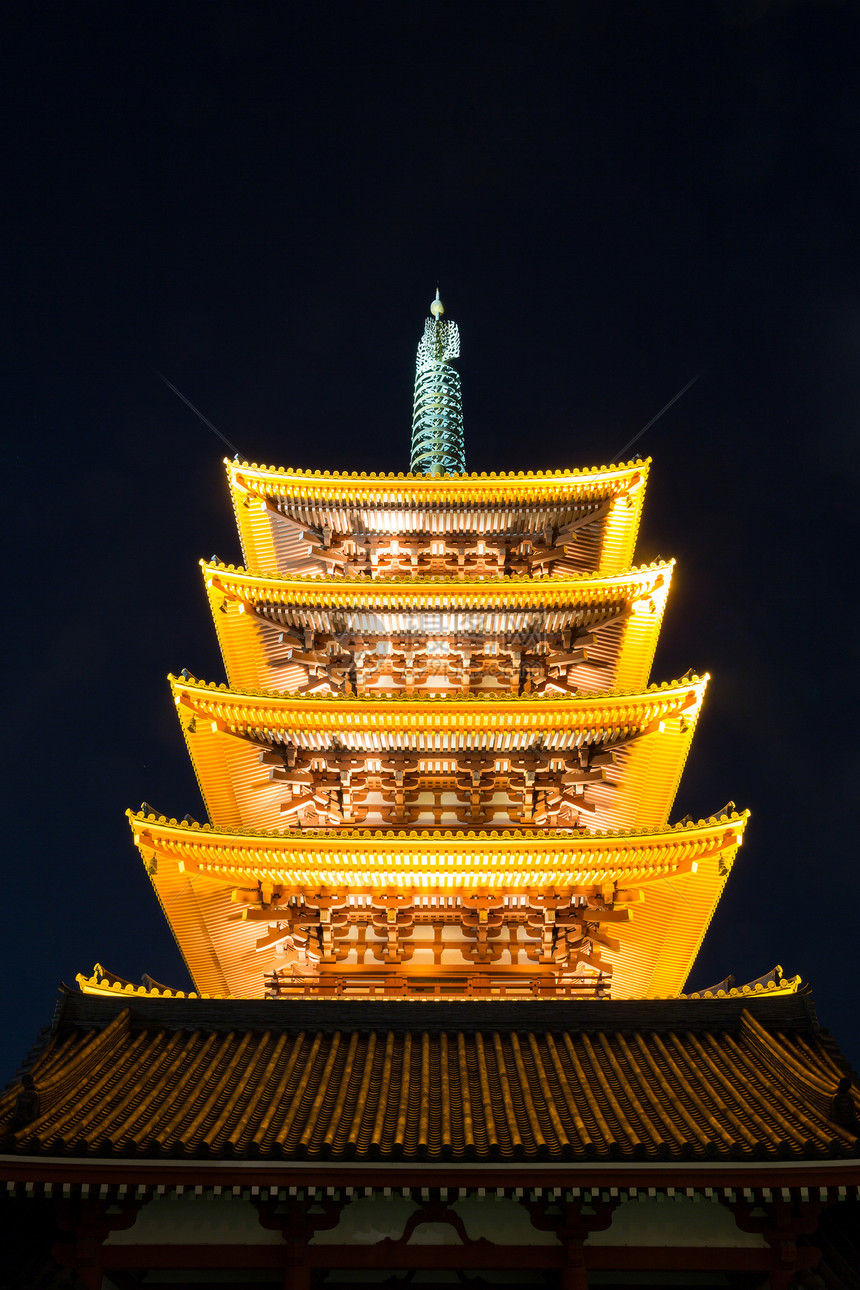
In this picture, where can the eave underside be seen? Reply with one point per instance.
(601, 763)
(283, 637)
(273, 509)
(626, 914)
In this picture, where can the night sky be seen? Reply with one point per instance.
(257, 200)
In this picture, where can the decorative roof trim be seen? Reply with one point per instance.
(100, 985)
(516, 590)
(589, 709)
(529, 486)
(675, 837)
(754, 990)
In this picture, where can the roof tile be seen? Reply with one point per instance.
(745, 1086)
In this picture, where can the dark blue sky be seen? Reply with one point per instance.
(257, 200)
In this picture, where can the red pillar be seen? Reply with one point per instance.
(297, 1226)
(781, 1223)
(89, 1276)
(574, 1274)
(88, 1223)
(297, 1277)
(297, 1273)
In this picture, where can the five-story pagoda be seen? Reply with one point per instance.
(437, 768)
(440, 922)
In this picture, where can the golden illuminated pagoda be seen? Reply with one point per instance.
(439, 922)
(437, 767)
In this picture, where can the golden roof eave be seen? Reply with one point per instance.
(508, 591)
(261, 709)
(254, 488)
(667, 845)
(96, 984)
(682, 871)
(225, 730)
(242, 604)
(753, 990)
(485, 487)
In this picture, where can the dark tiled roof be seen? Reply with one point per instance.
(682, 1079)
(789, 1011)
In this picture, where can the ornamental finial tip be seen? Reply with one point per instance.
(437, 308)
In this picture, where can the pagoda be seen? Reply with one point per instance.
(439, 922)
(437, 768)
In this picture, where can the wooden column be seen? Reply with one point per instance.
(297, 1226)
(297, 1272)
(781, 1223)
(574, 1273)
(88, 1270)
(572, 1221)
(88, 1224)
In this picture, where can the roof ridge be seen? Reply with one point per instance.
(471, 477)
(573, 835)
(452, 581)
(775, 1054)
(470, 696)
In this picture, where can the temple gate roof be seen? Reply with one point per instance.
(730, 1079)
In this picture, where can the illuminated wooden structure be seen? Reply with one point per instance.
(439, 923)
(438, 767)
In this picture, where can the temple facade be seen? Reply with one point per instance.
(439, 922)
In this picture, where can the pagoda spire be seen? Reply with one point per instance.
(437, 416)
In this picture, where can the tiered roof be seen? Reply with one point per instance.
(643, 737)
(657, 889)
(438, 920)
(721, 1080)
(621, 614)
(603, 506)
(437, 687)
